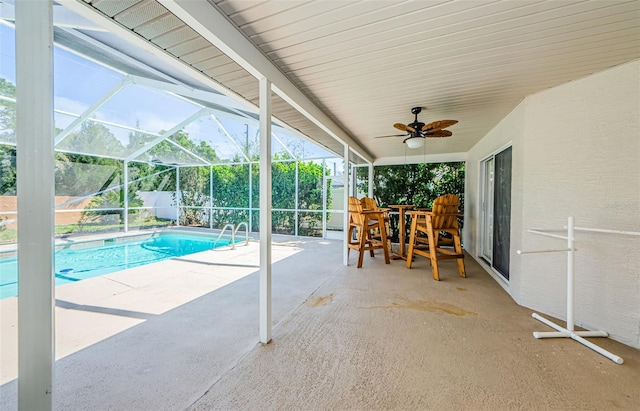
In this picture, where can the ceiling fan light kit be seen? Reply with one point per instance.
(414, 142)
(418, 131)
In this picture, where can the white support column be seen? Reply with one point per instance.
(324, 200)
(571, 259)
(210, 196)
(126, 196)
(265, 210)
(370, 195)
(353, 188)
(345, 207)
(177, 196)
(250, 196)
(35, 167)
(297, 195)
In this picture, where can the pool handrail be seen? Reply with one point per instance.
(234, 230)
(246, 232)
(233, 239)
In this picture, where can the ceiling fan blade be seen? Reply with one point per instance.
(438, 125)
(404, 127)
(438, 133)
(392, 135)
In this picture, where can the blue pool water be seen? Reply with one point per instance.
(79, 263)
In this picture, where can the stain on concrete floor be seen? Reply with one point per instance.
(404, 303)
(319, 301)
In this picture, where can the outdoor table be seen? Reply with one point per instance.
(402, 209)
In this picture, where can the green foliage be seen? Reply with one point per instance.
(7, 170)
(230, 190)
(7, 112)
(417, 184)
(310, 176)
(93, 138)
(7, 134)
(194, 192)
(98, 208)
(202, 149)
(79, 175)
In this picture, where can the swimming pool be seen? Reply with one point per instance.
(75, 262)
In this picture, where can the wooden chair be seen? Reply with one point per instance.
(363, 223)
(443, 218)
(369, 203)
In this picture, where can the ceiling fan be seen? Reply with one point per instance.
(418, 131)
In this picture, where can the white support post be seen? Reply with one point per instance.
(297, 195)
(36, 218)
(126, 196)
(370, 194)
(569, 331)
(324, 200)
(250, 196)
(177, 196)
(210, 196)
(345, 207)
(354, 181)
(265, 210)
(571, 259)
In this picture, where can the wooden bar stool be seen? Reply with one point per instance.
(370, 231)
(442, 218)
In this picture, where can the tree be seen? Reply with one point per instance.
(231, 190)
(93, 138)
(417, 184)
(7, 170)
(7, 112)
(194, 196)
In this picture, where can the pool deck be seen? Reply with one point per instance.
(97, 308)
(183, 335)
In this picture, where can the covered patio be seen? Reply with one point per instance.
(379, 337)
(546, 95)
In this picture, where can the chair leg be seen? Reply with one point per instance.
(412, 239)
(458, 247)
(370, 236)
(383, 238)
(363, 242)
(433, 253)
(349, 239)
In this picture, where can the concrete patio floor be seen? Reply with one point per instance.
(183, 334)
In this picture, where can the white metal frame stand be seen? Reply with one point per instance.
(569, 332)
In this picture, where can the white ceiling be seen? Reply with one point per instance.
(365, 64)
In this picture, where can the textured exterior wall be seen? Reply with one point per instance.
(576, 153)
(508, 132)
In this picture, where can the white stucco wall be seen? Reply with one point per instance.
(162, 202)
(576, 152)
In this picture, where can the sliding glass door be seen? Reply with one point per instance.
(496, 211)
